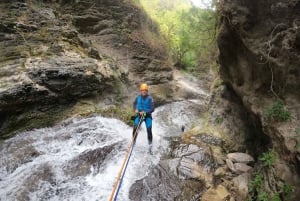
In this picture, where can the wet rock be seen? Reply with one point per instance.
(81, 165)
(158, 185)
(15, 154)
(240, 157)
(162, 184)
(42, 174)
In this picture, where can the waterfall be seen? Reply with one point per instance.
(79, 159)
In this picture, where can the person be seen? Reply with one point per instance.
(143, 106)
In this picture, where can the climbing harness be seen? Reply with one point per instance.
(118, 183)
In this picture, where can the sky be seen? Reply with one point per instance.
(201, 3)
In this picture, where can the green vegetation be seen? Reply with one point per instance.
(188, 31)
(286, 191)
(219, 119)
(297, 131)
(277, 112)
(268, 158)
(255, 186)
(263, 196)
(258, 193)
(256, 182)
(276, 197)
(124, 114)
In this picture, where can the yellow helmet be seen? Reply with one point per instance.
(144, 86)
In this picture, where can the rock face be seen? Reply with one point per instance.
(259, 63)
(54, 53)
(183, 177)
(125, 34)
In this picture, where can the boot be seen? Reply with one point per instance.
(149, 132)
(150, 149)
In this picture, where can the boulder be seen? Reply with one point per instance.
(241, 168)
(240, 157)
(241, 183)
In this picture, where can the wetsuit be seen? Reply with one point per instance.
(144, 104)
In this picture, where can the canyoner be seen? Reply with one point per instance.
(119, 180)
(143, 107)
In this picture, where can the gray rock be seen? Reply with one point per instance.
(161, 184)
(240, 157)
(92, 158)
(230, 165)
(241, 168)
(241, 183)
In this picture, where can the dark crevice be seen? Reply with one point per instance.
(2, 118)
(256, 140)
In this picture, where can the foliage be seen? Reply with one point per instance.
(119, 113)
(276, 197)
(263, 196)
(286, 191)
(258, 193)
(255, 186)
(256, 182)
(277, 112)
(188, 31)
(219, 119)
(268, 158)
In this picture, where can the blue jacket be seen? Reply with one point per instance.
(145, 104)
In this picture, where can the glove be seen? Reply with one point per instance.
(142, 114)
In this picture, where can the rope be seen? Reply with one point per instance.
(118, 183)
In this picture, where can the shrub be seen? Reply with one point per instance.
(286, 191)
(262, 196)
(256, 182)
(255, 187)
(277, 112)
(124, 114)
(268, 158)
(276, 197)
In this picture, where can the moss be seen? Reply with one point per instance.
(123, 114)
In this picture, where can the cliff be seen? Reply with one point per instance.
(55, 53)
(259, 45)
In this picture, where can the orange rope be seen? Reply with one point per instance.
(124, 162)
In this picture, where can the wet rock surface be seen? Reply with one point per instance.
(183, 177)
(90, 159)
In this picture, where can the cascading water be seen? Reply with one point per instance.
(80, 158)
